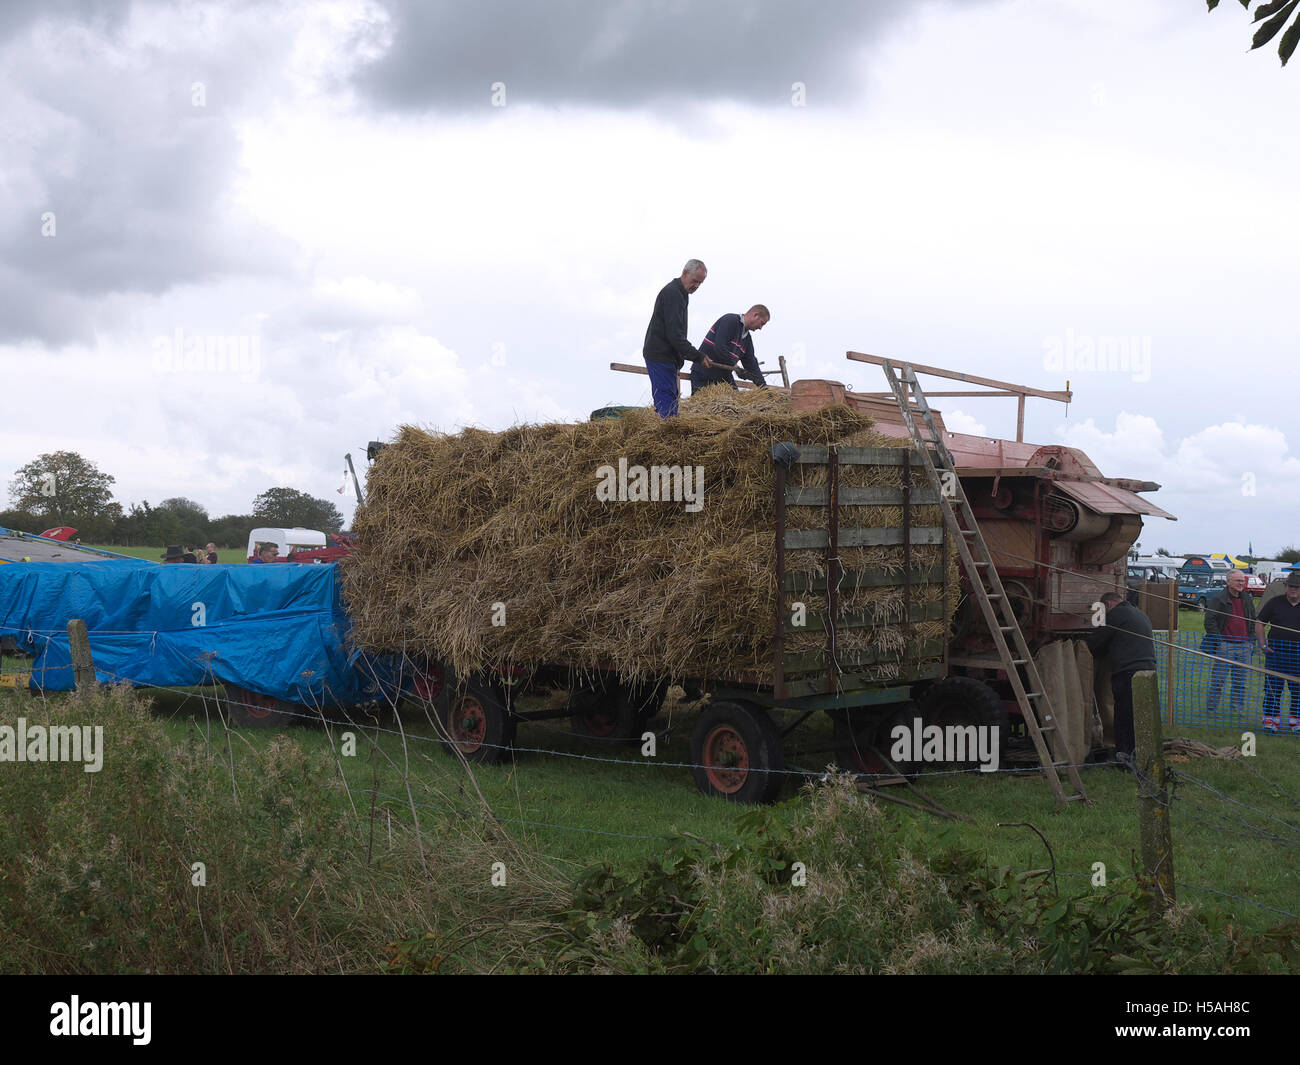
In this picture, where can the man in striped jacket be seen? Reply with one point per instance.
(730, 347)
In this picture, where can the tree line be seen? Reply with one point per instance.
(64, 488)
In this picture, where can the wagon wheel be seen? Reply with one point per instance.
(250, 709)
(959, 701)
(737, 753)
(476, 721)
(618, 714)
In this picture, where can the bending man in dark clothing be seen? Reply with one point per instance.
(666, 348)
(1126, 639)
(729, 347)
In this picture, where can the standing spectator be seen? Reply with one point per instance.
(1126, 639)
(729, 347)
(666, 348)
(266, 553)
(1282, 653)
(211, 549)
(174, 554)
(1228, 617)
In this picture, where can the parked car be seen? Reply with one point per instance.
(1195, 590)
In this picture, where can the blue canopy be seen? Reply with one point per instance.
(280, 629)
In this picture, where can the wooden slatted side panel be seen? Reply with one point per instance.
(831, 669)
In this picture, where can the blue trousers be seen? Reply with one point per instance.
(664, 387)
(1285, 658)
(1237, 652)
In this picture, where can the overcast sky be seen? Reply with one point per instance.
(238, 240)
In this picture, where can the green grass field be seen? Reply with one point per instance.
(154, 554)
(592, 808)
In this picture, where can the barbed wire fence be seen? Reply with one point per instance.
(1225, 814)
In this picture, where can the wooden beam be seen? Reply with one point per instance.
(624, 367)
(933, 395)
(953, 375)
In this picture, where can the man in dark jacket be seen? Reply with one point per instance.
(1126, 639)
(729, 347)
(1282, 649)
(666, 349)
(1229, 616)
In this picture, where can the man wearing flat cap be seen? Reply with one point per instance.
(1282, 653)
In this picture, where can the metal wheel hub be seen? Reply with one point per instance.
(726, 757)
(469, 724)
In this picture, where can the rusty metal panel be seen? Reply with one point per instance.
(1107, 499)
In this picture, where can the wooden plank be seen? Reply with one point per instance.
(626, 367)
(864, 619)
(947, 395)
(857, 496)
(816, 454)
(816, 661)
(969, 378)
(804, 539)
(851, 686)
(857, 578)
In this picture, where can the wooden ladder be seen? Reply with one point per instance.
(985, 583)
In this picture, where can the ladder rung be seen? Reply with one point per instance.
(1019, 661)
(1008, 628)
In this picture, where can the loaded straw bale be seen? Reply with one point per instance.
(455, 524)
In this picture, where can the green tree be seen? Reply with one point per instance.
(1163, 552)
(191, 518)
(1274, 16)
(1289, 554)
(63, 488)
(288, 507)
(231, 530)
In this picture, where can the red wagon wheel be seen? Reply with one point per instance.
(737, 753)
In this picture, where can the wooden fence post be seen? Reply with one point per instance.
(83, 666)
(1153, 788)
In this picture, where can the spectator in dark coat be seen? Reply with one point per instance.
(729, 348)
(1125, 639)
(1282, 650)
(666, 349)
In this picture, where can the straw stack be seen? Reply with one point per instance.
(484, 548)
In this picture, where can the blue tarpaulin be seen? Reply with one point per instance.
(277, 629)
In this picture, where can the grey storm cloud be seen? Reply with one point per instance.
(446, 54)
(111, 179)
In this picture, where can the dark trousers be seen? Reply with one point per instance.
(664, 387)
(1284, 657)
(1121, 687)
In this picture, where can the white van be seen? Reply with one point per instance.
(285, 540)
